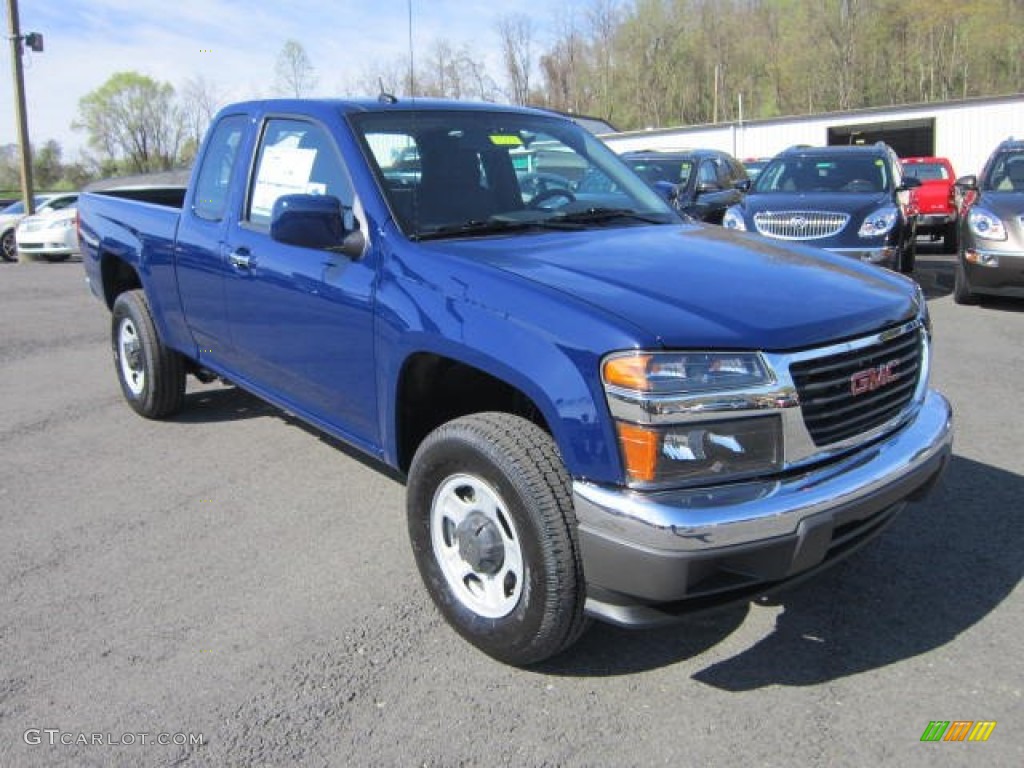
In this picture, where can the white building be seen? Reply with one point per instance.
(964, 131)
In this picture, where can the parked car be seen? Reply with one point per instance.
(934, 199)
(701, 183)
(754, 166)
(851, 200)
(991, 255)
(15, 212)
(50, 235)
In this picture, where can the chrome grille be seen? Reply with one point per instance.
(800, 225)
(848, 394)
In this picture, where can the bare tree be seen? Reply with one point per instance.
(295, 73)
(200, 100)
(516, 34)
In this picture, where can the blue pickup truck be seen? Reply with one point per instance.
(600, 409)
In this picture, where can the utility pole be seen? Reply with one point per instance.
(35, 43)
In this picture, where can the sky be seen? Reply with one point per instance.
(232, 44)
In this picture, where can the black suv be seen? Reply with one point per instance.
(851, 200)
(701, 183)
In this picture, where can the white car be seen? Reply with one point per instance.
(51, 235)
(15, 212)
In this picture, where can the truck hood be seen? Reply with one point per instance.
(703, 286)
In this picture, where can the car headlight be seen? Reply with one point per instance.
(61, 224)
(986, 225)
(697, 450)
(879, 222)
(733, 219)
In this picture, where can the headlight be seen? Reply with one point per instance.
(685, 372)
(733, 219)
(986, 225)
(706, 452)
(695, 450)
(879, 222)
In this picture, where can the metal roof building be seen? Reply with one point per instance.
(965, 131)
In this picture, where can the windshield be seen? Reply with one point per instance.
(674, 170)
(926, 171)
(825, 173)
(462, 173)
(1005, 173)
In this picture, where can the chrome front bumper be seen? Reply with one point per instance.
(710, 543)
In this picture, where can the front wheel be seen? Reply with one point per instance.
(9, 248)
(152, 376)
(908, 257)
(494, 536)
(962, 293)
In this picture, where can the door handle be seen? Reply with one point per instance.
(240, 259)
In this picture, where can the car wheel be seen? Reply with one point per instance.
(908, 257)
(9, 250)
(152, 376)
(494, 536)
(949, 239)
(962, 293)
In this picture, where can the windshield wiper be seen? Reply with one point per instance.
(474, 227)
(599, 215)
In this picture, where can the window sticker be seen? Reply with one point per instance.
(284, 170)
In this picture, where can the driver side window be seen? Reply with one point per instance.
(295, 157)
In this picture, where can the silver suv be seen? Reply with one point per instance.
(991, 256)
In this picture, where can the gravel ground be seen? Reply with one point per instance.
(234, 576)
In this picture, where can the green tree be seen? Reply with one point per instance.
(133, 123)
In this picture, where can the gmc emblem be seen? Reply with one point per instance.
(871, 379)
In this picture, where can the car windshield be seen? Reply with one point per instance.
(462, 173)
(674, 170)
(19, 206)
(1005, 173)
(838, 173)
(926, 171)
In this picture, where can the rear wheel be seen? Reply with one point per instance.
(152, 376)
(494, 536)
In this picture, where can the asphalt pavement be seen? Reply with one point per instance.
(230, 588)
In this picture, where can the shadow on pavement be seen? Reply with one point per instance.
(943, 565)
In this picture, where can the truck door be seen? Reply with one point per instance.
(200, 253)
(302, 318)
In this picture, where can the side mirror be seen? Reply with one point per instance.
(314, 221)
(967, 182)
(667, 189)
(743, 185)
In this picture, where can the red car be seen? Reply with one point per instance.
(934, 199)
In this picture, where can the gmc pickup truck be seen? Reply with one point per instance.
(600, 409)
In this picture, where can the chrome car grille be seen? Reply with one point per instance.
(851, 393)
(800, 225)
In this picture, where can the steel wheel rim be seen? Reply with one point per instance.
(129, 354)
(467, 502)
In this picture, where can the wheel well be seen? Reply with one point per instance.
(118, 277)
(433, 390)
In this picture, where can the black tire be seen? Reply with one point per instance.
(9, 246)
(949, 239)
(152, 377)
(962, 293)
(908, 257)
(504, 467)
